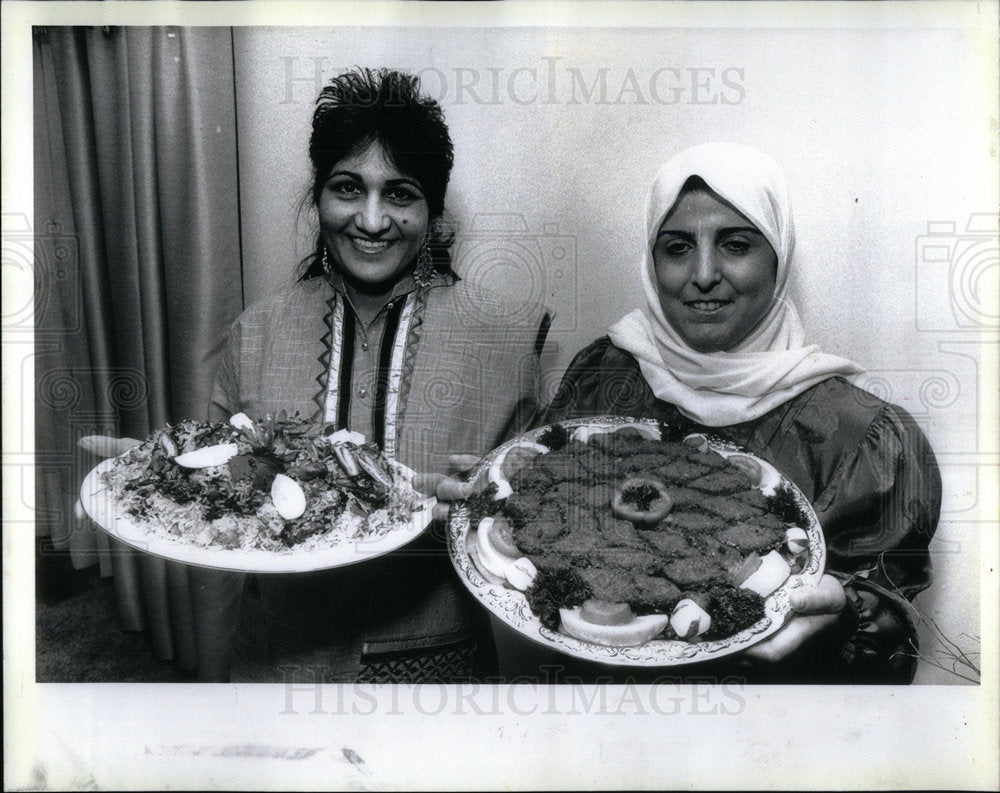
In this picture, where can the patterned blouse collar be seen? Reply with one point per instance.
(403, 287)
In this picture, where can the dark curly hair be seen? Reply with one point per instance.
(382, 106)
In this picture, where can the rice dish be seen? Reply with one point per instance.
(352, 492)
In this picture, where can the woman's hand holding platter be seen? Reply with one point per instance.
(447, 487)
(102, 446)
(818, 610)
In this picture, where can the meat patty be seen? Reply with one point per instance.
(525, 505)
(723, 482)
(562, 500)
(695, 572)
(719, 553)
(691, 522)
(578, 541)
(619, 533)
(670, 543)
(709, 458)
(684, 498)
(728, 508)
(753, 498)
(626, 559)
(747, 537)
(531, 479)
(655, 591)
(538, 536)
(608, 585)
(681, 471)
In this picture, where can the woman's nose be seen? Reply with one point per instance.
(706, 270)
(372, 218)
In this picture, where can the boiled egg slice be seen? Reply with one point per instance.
(583, 434)
(631, 634)
(498, 474)
(771, 574)
(207, 456)
(518, 571)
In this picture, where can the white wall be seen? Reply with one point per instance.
(880, 131)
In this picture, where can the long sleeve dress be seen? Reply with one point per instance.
(868, 471)
(444, 368)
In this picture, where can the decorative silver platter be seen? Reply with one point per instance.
(100, 504)
(511, 606)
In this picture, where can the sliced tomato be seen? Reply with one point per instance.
(501, 537)
(641, 499)
(517, 457)
(747, 569)
(603, 612)
(747, 465)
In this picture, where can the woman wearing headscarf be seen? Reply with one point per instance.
(719, 348)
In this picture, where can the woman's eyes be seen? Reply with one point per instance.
(737, 246)
(734, 246)
(402, 196)
(676, 247)
(345, 189)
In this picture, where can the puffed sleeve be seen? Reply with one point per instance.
(601, 379)
(879, 513)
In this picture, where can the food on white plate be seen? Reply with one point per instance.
(627, 526)
(266, 484)
(771, 574)
(521, 573)
(584, 434)
(749, 566)
(515, 568)
(501, 537)
(241, 421)
(510, 462)
(602, 612)
(689, 619)
(641, 500)
(630, 634)
(208, 456)
(288, 497)
(696, 441)
(797, 540)
(747, 465)
(489, 556)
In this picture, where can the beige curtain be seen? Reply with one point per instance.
(138, 273)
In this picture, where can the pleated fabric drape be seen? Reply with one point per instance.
(138, 274)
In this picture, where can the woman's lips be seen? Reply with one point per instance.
(370, 246)
(706, 306)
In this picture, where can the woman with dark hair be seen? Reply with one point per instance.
(379, 336)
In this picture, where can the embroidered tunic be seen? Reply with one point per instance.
(441, 369)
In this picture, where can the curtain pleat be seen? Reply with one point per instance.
(136, 165)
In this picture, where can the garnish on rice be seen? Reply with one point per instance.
(280, 482)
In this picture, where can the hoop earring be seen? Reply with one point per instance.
(423, 271)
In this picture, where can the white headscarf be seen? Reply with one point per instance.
(771, 365)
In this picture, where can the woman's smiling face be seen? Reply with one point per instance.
(372, 217)
(715, 272)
